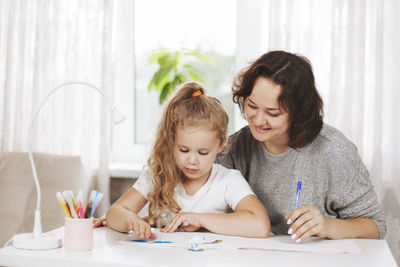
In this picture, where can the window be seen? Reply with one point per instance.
(143, 26)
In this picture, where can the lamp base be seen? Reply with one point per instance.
(42, 242)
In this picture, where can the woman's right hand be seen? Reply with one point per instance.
(307, 221)
(135, 224)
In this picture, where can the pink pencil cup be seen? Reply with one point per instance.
(78, 234)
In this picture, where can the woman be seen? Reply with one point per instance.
(286, 141)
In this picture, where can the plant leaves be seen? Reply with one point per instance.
(151, 84)
(194, 73)
(166, 60)
(155, 57)
(172, 71)
(169, 87)
(179, 78)
(202, 57)
(165, 92)
(159, 76)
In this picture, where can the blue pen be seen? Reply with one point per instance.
(298, 193)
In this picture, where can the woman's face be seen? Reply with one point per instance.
(268, 122)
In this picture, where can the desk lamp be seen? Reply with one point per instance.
(38, 240)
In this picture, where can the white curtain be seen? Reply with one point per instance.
(354, 47)
(44, 43)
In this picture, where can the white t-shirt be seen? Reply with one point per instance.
(221, 193)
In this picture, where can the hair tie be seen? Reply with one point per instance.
(197, 93)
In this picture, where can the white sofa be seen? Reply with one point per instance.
(18, 191)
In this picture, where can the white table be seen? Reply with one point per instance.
(109, 252)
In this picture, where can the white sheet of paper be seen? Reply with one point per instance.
(282, 243)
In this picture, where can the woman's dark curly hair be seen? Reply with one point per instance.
(299, 96)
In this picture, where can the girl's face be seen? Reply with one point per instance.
(195, 151)
(268, 123)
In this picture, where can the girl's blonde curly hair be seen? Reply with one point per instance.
(184, 109)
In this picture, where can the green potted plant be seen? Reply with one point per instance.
(174, 68)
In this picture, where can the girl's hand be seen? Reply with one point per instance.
(184, 221)
(137, 225)
(99, 222)
(306, 221)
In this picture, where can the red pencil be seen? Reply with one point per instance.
(87, 208)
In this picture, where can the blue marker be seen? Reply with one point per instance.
(298, 193)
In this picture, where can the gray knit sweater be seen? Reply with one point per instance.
(334, 179)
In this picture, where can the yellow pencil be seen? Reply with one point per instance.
(62, 203)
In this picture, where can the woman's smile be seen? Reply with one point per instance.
(262, 129)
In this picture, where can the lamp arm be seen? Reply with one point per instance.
(37, 229)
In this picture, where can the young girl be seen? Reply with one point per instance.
(186, 190)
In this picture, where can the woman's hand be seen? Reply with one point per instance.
(307, 221)
(140, 227)
(184, 221)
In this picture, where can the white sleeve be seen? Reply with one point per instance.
(236, 188)
(144, 184)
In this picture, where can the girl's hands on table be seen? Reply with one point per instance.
(99, 222)
(134, 224)
(139, 227)
(184, 222)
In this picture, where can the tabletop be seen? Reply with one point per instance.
(110, 251)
